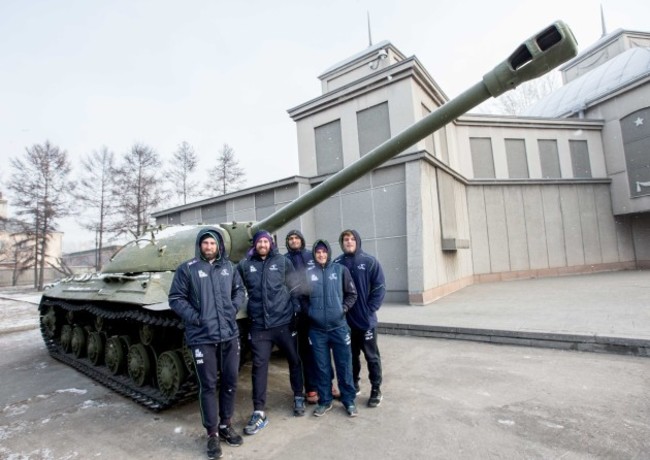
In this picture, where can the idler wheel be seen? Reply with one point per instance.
(95, 348)
(66, 338)
(78, 342)
(171, 373)
(139, 363)
(49, 322)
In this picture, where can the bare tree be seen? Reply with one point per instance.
(42, 192)
(227, 175)
(180, 172)
(525, 95)
(139, 189)
(96, 191)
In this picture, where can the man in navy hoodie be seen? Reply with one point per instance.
(368, 277)
(272, 304)
(206, 293)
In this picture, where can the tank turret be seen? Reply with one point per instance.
(116, 326)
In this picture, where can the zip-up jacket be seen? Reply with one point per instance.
(369, 279)
(331, 293)
(301, 259)
(271, 286)
(207, 295)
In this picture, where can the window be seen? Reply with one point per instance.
(516, 157)
(373, 126)
(549, 158)
(482, 158)
(635, 128)
(580, 159)
(329, 148)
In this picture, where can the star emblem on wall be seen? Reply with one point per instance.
(638, 121)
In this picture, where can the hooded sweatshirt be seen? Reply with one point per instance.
(331, 292)
(271, 286)
(369, 279)
(207, 295)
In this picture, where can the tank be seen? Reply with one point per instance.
(116, 326)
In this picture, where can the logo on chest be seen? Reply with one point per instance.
(253, 269)
(225, 272)
(333, 276)
(274, 268)
(202, 274)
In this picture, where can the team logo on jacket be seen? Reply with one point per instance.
(198, 356)
(253, 269)
(333, 276)
(225, 272)
(314, 277)
(274, 268)
(202, 274)
(361, 267)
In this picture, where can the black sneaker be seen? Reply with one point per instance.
(230, 436)
(256, 423)
(214, 449)
(375, 397)
(298, 406)
(357, 388)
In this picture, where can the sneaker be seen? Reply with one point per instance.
(357, 388)
(256, 423)
(336, 394)
(230, 436)
(298, 406)
(352, 410)
(214, 449)
(375, 397)
(322, 409)
(312, 397)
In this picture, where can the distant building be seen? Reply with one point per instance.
(86, 260)
(16, 246)
(565, 189)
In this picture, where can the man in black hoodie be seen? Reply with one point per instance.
(206, 293)
(302, 259)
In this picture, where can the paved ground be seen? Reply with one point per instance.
(444, 398)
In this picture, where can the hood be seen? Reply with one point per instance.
(356, 237)
(329, 251)
(299, 235)
(214, 233)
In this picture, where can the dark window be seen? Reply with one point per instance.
(516, 156)
(549, 158)
(580, 159)
(373, 126)
(482, 158)
(329, 148)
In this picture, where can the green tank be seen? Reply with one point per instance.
(116, 326)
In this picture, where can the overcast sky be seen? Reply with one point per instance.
(84, 74)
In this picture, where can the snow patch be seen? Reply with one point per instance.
(553, 425)
(507, 422)
(19, 409)
(73, 390)
(89, 403)
(178, 430)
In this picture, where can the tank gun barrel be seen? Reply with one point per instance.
(533, 58)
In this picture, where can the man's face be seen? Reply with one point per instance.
(294, 242)
(263, 247)
(209, 249)
(321, 256)
(349, 243)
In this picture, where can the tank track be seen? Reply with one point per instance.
(147, 396)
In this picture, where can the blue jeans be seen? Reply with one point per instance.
(338, 342)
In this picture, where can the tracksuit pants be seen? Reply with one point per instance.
(366, 341)
(262, 341)
(213, 362)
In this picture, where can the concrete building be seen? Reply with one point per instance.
(486, 197)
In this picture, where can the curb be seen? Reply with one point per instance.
(577, 342)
